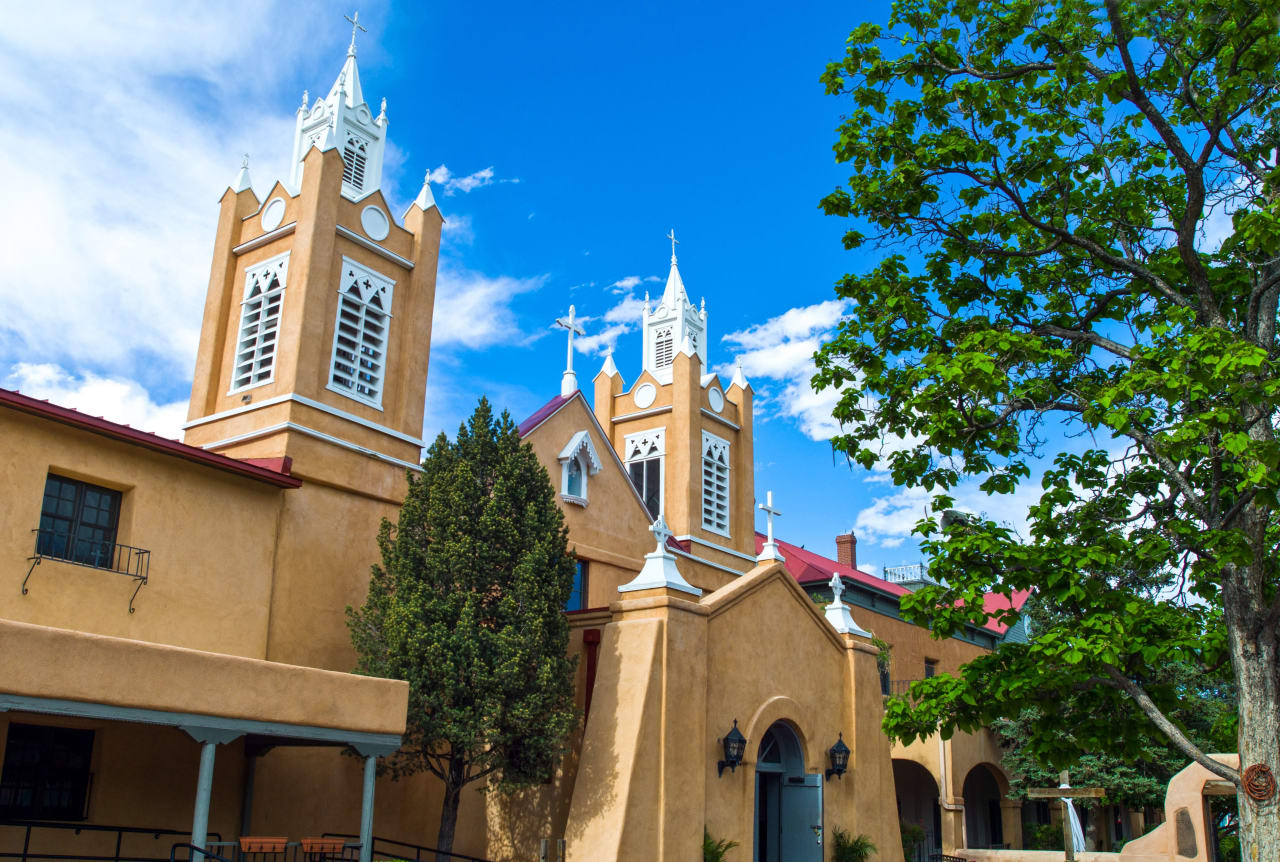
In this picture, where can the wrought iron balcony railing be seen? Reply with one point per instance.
(108, 556)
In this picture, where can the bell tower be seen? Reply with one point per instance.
(685, 436)
(317, 321)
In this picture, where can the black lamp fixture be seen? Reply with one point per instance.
(735, 745)
(839, 758)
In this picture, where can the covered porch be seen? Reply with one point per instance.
(114, 748)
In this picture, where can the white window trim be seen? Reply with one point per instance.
(582, 451)
(709, 439)
(235, 349)
(659, 437)
(386, 353)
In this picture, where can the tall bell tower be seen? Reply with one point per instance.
(317, 322)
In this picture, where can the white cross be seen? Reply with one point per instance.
(770, 513)
(837, 587)
(674, 242)
(570, 323)
(661, 533)
(355, 25)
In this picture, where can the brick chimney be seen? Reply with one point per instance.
(847, 550)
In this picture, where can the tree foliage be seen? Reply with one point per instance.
(467, 607)
(1077, 201)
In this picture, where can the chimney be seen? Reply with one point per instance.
(847, 550)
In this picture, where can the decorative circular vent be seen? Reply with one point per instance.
(716, 398)
(645, 395)
(273, 214)
(375, 222)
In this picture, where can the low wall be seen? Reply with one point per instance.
(1034, 856)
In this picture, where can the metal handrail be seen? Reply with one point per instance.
(192, 850)
(418, 849)
(105, 556)
(77, 828)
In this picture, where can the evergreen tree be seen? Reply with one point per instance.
(467, 607)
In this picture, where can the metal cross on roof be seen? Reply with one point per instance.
(570, 323)
(770, 513)
(674, 242)
(355, 25)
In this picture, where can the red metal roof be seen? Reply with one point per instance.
(125, 434)
(540, 415)
(808, 567)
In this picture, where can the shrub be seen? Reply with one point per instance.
(852, 848)
(715, 850)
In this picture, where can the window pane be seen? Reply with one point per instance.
(578, 595)
(46, 772)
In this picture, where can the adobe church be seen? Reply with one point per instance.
(176, 658)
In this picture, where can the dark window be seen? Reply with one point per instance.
(930, 667)
(647, 477)
(578, 596)
(46, 772)
(884, 681)
(78, 522)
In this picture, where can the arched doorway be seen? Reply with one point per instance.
(983, 824)
(917, 794)
(788, 825)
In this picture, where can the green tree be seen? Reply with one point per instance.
(467, 607)
(1078, 204)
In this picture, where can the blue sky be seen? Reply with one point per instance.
(564, 145)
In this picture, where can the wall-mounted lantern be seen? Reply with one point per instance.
(735, 745)
(839, 758)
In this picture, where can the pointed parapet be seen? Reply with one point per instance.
(660, 570)
(608, 386)
(425, 200)
(242, 182)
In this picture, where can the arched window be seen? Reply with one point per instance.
(360, 334)
(578, 462)
(355, 156)
(573, 478)
(644, 454)
(259, 323)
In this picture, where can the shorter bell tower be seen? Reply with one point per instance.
(684, 435)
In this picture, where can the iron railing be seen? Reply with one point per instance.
(900, 686)
(118, 853)
(418, 850)
(943, 857)
(108, 556)
(908, 573)
(195, 854)
(247, 849)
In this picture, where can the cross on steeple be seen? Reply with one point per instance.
(770, 550)
(674, 242)
(569, 382)
(355, 25)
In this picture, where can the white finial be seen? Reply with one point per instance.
(646, 302)
(659, 571)
(244, 163)
(569, 382)
(306, 97)
(674, 242)
(837, 586)
(739, 379)
(242, 182)
(425, 200)
(770, 550)
(382, 115)
(355, 25)
(610, 368)
(838, 612)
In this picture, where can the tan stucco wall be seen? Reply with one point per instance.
(211, 536)
(70, 665)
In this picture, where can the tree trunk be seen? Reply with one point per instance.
(1256, 661)
(449, 810)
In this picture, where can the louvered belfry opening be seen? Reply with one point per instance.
(259, 323)
(360, 336)
(715, 483)
(663, 348)
(355, 156)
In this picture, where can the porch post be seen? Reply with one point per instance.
(366, 808)
(204, 789)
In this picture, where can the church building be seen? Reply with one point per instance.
(176, 658)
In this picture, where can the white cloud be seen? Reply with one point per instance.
(453, 183)
(123, 125)
(781, 350)
(117, 399)
(473, 310)
(457, 229)
(623, 317)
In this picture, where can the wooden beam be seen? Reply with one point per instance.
(1066, 793)
(1218, 787)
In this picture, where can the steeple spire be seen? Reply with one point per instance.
(355, 25)
(675, 326)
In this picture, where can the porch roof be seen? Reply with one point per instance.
(71, 672)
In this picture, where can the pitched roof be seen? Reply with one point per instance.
(543, 413)
(808, 567)
(156, 443)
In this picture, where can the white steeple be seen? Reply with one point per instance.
(242, 179)
(675, 324)
(342, 120)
